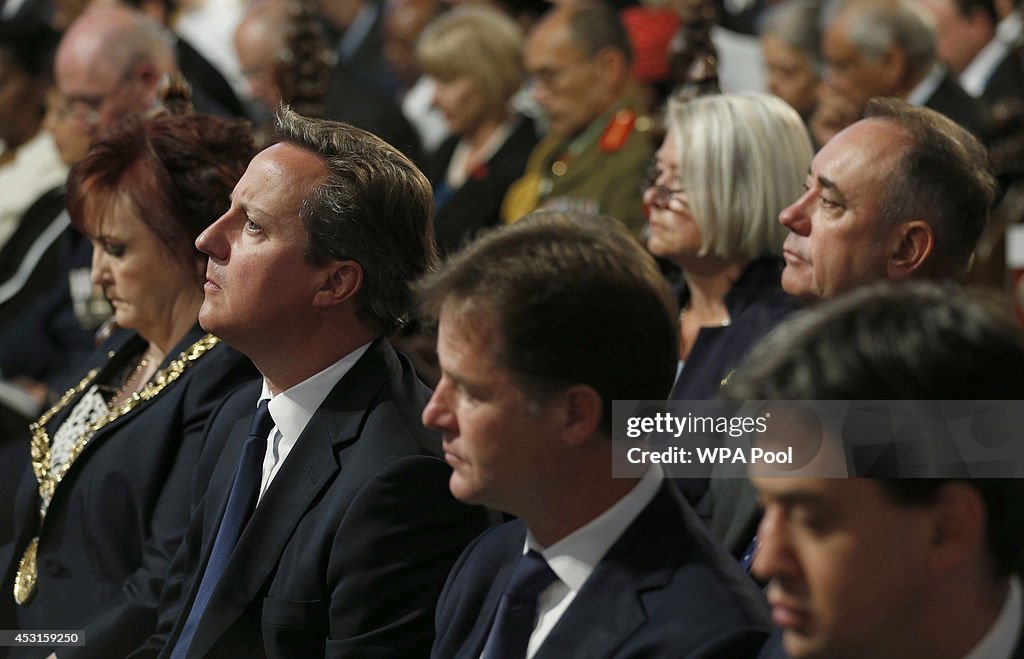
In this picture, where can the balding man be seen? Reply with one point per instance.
(885, 48)
(579, 57)
(903, 193)
(109, 65)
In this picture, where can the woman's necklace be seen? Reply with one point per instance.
(131, 384)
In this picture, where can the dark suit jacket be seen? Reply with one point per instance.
(121, 510)
(756, 304)
(460, 214)
(664, 589)
(211, 91)
(40, 336)
(951, 100)
(348, 549)
(349, 98)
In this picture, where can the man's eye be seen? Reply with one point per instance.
(828, 203)
(252, 227)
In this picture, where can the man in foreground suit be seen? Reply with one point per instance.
(541, 325)
(894, 568)
(353, 530)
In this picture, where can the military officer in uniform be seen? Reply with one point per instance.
(594, 157)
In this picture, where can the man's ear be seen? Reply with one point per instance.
(343, 279)
(911, 245)
(583, 408)
(958, 527)
(611, 66)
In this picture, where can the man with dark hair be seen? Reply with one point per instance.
(541, 326)
(884, 48)
(903, 193)
(907, 569)
(353, 530)
(579, 57)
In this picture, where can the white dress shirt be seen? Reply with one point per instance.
(925, 89)
(1005, 634)
(975, 77)
(574, 557)
(292, 409)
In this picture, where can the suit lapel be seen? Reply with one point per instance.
(132, 346)
(310, 467)
(609, 608)
(474, 644)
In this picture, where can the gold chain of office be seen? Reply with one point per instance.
(25, 580)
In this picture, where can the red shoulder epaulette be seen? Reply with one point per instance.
(617, 132)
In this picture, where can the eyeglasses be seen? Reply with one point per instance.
(657, 194)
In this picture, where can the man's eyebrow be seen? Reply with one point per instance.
(795, 498)
(250, 209)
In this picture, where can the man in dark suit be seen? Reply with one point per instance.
(902, 194)
(353, 530)
(892, 568)
(542, 325)
(885, 48)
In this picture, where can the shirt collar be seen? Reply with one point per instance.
(926, 88)
(293, 408)
(357, 31)
(574, 557)
(1004, 635)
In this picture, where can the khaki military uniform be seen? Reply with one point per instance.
(599, 171)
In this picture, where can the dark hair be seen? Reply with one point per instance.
(944, 177)
(374, 207)
(177, 171)
(576, 300)
(890, 341)
(596, 26)
(913, 340)
(988, 7)
(31, 45)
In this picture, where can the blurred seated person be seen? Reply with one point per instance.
(105, 505)
(729, 164)
(41, 342)
(790, 43)
(579, 58)
(29, 163)
(286, 58)
(885, 48)
(892, 568)
(404, 22)
(475, 56)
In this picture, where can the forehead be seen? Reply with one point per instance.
(861, 494)
(82, 67)
(836, 42)
(861, 156)
(111, 214)
(551, 44)
(279, 178)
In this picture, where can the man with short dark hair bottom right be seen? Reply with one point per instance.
(909, 568)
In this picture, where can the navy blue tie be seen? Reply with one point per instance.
(241, 502)
(747, 560)
(517, 610)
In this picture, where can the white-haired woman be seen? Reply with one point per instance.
(729, 164)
